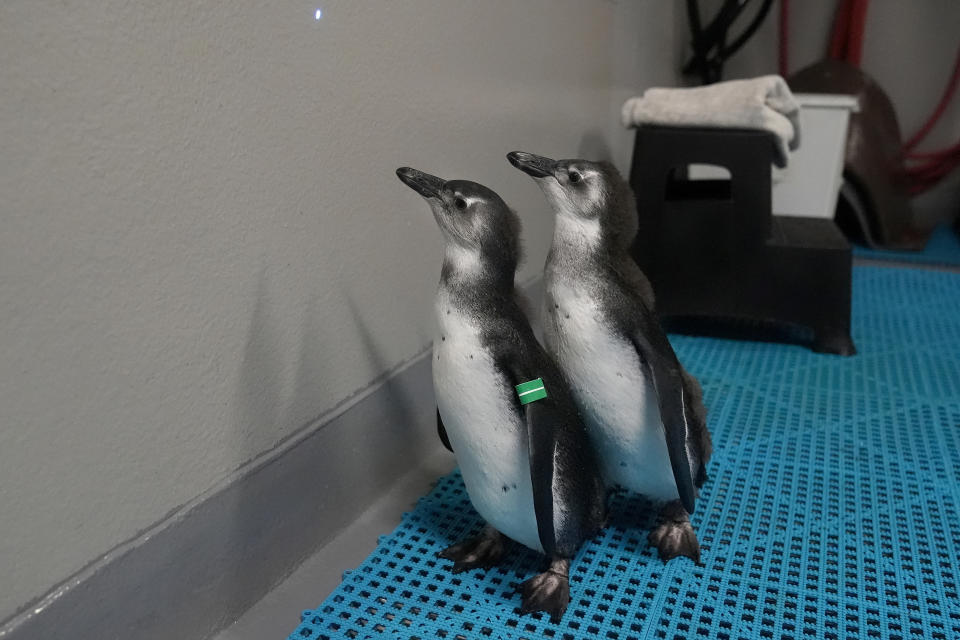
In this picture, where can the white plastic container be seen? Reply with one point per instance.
(809, 185)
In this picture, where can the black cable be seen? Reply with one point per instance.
(710, 50)
(706, 39)
(750, 30)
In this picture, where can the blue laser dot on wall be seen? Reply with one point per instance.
(318, 14)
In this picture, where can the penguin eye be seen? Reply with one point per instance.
(574, 177)
(460, 203)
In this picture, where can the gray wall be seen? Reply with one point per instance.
(909, 48)
(204, 248)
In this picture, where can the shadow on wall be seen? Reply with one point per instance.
(259, 391)
(401, 405)
(259, 401)
(336, 470)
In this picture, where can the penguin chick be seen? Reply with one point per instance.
(643, 411)
(528, 468)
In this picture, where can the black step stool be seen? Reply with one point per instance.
(713, 250)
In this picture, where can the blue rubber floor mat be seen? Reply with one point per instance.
(832, 508)
(943, 248)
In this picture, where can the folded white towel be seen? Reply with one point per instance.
(757, 103)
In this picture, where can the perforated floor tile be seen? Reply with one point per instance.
(832, 509)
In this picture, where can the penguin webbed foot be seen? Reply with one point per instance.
(484, 550)
(548, 591)
(674, 536)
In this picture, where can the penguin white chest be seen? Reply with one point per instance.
(612, 389)
(486, 432)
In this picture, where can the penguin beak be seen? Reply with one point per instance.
(425, 184)
(531, 164)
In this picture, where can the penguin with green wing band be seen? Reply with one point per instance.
(503, 405)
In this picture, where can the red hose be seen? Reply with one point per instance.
(846, 42)
(783, 59)
(931, 166)
(928, 176)
(858, 23)
(935, 155)
(841, 26)
(948, 92)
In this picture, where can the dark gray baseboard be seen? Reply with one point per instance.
(200, 568)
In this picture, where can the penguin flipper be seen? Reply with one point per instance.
(442, 432)
(665, 371)
(568, 493)
(569, 497)
(540, 445)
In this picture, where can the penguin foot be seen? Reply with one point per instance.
(674, 536)
(548, 591)
(481, 551)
